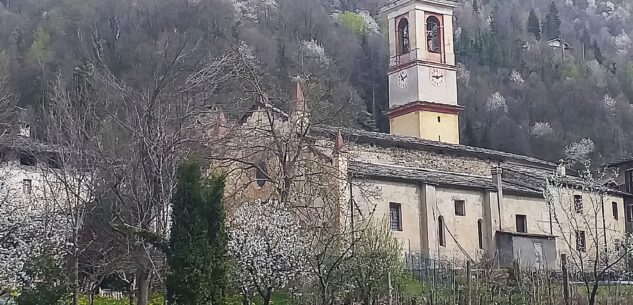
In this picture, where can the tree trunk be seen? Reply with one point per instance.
(594, 292)
(75, 278)
(142, 285)
(267, 296)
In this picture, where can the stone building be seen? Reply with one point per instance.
(441, 199)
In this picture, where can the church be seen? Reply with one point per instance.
(440, 199)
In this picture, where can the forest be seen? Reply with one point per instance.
(520, 94)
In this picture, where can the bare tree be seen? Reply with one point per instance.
(586, 216)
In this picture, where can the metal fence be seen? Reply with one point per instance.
(445, 282)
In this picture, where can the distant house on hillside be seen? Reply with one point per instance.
(558, 44)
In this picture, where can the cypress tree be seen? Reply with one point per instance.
(597, 53)
(552, 22)
(198, 242)
(534, 25)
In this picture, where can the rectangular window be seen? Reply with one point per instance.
(27, 159)
(628, 178)
(440, 231)
(480, 233)
(578, 204)
(581, 242)
(629, 213)
(27, 186)
(521, 223)
(460, 208)
(614, 208)
(395, 216)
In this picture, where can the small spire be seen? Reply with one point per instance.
(299, 102)
(340, 143)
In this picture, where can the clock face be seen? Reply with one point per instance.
(403, 79)
(437, 77)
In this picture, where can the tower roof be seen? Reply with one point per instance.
(299, 102)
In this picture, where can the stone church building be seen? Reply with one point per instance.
(439, 198)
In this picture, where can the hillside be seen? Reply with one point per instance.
(520, 94)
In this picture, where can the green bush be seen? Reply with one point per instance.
(353, 22)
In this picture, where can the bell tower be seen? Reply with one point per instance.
(422, 71)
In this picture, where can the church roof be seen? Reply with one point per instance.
(390, 140)
(27, 144)
(402, 173)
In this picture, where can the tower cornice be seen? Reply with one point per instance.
(423, 106)
(395, 4)
(427, 63)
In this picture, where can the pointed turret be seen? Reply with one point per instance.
(299, 101)
(339, 144)
(299, 110)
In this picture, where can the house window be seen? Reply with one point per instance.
(439, 119)
(480, 233)
(53, 161)
(614, 208)
(27, 159)
(460, 208)
(260, 174)
(395, 216)
(403, 36)
(521, 223)
(578, 204)
(581, 242)
(27, 186)
(440, 231)
(629, 213)
(433, 36)
(629, 180)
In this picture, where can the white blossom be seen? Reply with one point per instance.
(496, 102)
(266, 243)
(622, 43)
(249, 8)
(541, 129)
(372, 25)
(516, 77)
(609, 103)
(462, 72)
(28, 224)
(313, 48)
(580, 151)
(246, 51)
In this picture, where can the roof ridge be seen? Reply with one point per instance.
(351, 132)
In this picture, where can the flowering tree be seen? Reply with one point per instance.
(28, 225)
(590, 234)
(268, 249)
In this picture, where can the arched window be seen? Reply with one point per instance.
(260, 174)
(403, 36)
(433, 35)
(440, 231)
(480, 233)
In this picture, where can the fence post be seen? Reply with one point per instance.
(563, 259)
(390, 289)
(468, 293)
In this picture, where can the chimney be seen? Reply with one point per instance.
(561, 169)
(497, 180)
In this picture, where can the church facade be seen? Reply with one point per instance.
(440, 199)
